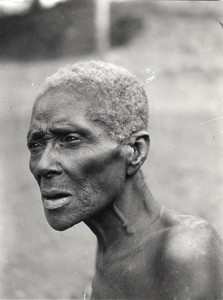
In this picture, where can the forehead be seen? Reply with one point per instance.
(62, 104)
(63, 109)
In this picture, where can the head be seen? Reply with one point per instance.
(88, 135)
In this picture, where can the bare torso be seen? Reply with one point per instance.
(173, 259)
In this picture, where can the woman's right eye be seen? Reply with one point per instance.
(34, 145)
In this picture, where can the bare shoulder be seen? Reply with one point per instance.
(193, 258)
(191, 238)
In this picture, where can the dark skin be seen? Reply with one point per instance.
(144, 250)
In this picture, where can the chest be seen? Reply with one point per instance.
(133, 276)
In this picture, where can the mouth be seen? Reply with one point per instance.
(55, 199)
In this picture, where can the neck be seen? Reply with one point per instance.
(128, 216)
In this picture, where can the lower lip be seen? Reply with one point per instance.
(56, 203)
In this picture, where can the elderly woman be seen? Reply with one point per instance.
(88, 140)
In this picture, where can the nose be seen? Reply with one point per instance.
(48, 164)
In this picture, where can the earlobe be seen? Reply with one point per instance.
(140, 143)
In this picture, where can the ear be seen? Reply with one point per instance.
(139, 142)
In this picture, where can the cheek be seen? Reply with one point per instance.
(104, 171)
(107, 175)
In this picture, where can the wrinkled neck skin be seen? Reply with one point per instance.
(127, 218)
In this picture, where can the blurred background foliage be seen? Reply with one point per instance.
(177, 44)
(65, 29)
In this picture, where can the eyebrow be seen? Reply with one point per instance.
(68, 128)
(34, 134)
(60, 130)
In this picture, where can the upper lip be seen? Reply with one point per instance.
(54, 194)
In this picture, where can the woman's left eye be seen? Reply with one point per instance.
(71, 138)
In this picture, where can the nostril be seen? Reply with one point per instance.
(49, 172)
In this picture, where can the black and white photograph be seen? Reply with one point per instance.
(111, 117)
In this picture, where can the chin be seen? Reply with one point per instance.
(57, 226)
(59, 223)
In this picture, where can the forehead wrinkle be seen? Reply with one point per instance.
(63, 126)
(62, 115)
(68, 114)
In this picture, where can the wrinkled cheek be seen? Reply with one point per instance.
(110, 181)
(87, 196)
(103, 174)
